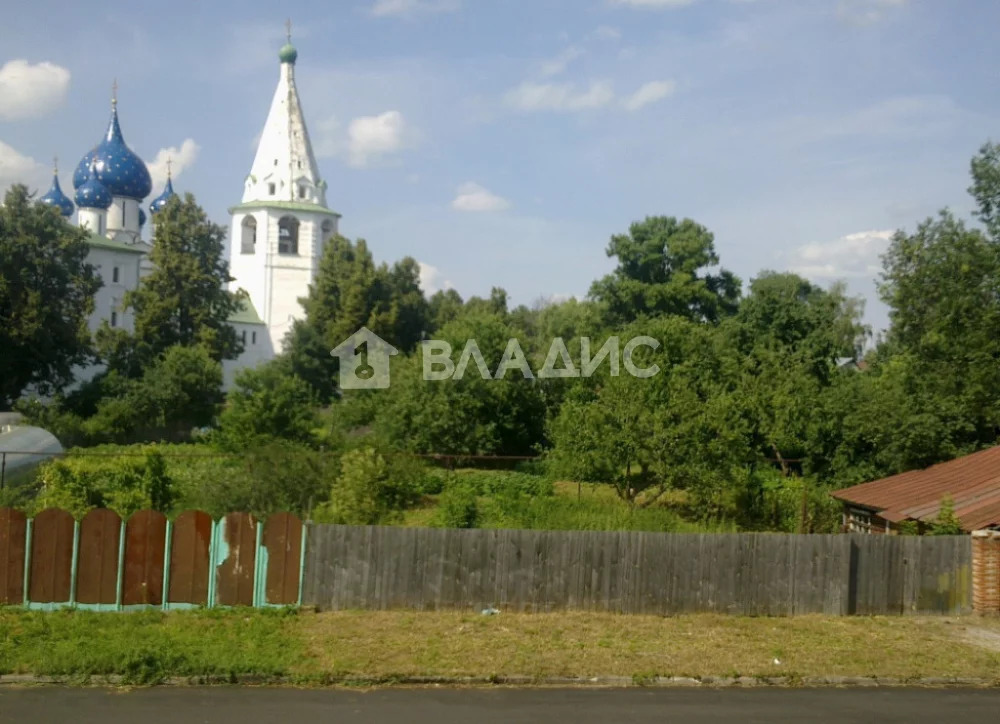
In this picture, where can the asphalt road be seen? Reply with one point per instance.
(225, 705)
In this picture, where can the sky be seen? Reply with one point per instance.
(502, 143)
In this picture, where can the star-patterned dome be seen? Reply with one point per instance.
(55, 197)
(160, 201)
(92, 194)
(117, 167)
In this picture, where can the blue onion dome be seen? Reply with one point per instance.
(160, 201)
(82, 172)
(92, 194)
(55, 197)
(142, 218)
(116, 165)
(288, 54)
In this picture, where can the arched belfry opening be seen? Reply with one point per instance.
(248, 238)
(288, 235)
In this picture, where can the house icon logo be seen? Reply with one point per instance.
(368, 370)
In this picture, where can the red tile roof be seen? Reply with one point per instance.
(972, 482)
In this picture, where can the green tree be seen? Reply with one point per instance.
(663, 268)
(183, 301)
(942, 285)
(351, 292)
(180, 391)
(46, 296)
(946, 522)
(267, 403)
(444, 306)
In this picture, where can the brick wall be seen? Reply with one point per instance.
(986, 571)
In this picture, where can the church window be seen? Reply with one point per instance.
(302, 192)
(114, 275)
(275, 162)
(243, 337)
(327, 229)
(253, 338)
(300, 164)
(249, 235)
(270, 189)
(288, 235)
(114, 319)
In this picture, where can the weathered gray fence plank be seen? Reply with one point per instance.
(629, 572)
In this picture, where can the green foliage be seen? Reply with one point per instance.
(369, 489)
(458, 507)
(467, 416)
(351, 292)
(946, 522)
(46, 296)
(183, 301)
(267, 403)
(270, 477)
(662, 269)
(180, 391)
(123, 484)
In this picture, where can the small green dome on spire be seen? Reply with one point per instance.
(288, 54)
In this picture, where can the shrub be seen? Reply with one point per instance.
(267, 403)
(458, 507)
(123, 484)
(369, 489)
(946, 522)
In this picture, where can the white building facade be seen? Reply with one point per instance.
(281, 226)
(278, 231)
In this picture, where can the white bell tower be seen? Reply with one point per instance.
(281, 227)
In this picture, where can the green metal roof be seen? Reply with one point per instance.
(284, 206)
(246, 314)
(103, 242)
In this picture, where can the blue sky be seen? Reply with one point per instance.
(502, 143)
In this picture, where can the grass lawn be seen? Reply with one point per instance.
(308, 647)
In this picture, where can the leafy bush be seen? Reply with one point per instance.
(267, 403)
(458, 507)
(123, 484)
(369, 489)
(497, 482)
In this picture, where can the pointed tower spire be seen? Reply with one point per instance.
(284, 168)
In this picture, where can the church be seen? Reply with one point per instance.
(277, 233)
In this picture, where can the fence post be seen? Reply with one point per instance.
(258, 577)
(167, 538)
(302, 560)
(211, 563)
(74, 561)
(121, 566)
(986, 571)
(27, 559)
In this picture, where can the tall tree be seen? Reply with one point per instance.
(184, 300)
(351, 292)
(942, 285)
(664, 269)
(46, 296)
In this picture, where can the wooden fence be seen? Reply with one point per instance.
(627, 572)
(101, 563)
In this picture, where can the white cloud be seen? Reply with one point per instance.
(473, 197)
(402, 8)
(180, 159)
(653, 3)
(30, 91)
(371, 137)
(560, 96)
(557, 65)
(607, 32)
(432, 280)
(17, 168)
(855, 256)
(649, 93)
(867, 12)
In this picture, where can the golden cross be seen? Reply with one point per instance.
(114, 92)
(288, 29)
(169, 163)
(55, 165)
